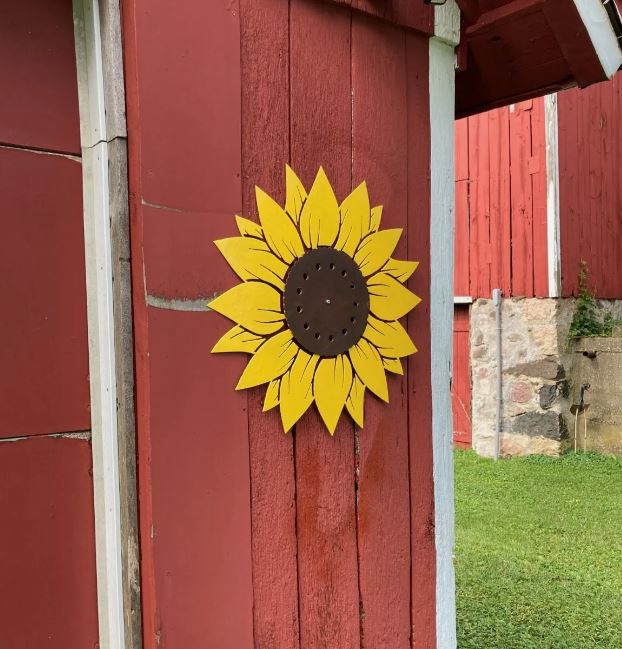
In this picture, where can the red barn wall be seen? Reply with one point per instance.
(252, 538)
(47, 554)
(590, 187)
(501, 232)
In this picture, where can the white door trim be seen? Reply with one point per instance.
(600, 30)
(102, 363)
(442, 114)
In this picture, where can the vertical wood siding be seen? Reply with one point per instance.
(461, 384)
(48, 592)
(501, 237)
(252, 538)
(590, 187)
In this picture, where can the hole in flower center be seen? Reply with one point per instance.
(330, 314)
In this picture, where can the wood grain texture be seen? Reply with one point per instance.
(500, 223)
(265, 110)
(325, 482)
(192, 430)
(522, 200)
(537, 171)
(590, 188)
(461, 384)
(380, 157)
(47, 546)
(423, 568)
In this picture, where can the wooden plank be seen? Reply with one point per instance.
(537, 170)
(40, 111)
(461, 383)
(196, 567)
(423, 568)
(568, 191)
(479, 168)
(380, 156)
(401, 12)
(47, 546)
(265, 109)
(521, 203)
(321, 135)
(189, 84)
(44, 359)
(200, 486)
(500, 235)
(462, 246)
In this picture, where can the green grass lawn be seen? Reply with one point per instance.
(539, 552)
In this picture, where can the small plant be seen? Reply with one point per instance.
(588, 319)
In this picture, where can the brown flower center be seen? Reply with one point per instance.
(326, 301)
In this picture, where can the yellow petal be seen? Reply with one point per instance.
(296, 393)
(319, 220)
(368, 367)
(376, 249)
(401, 270)
(389, 338)
(253, 305)
(278, 230)
(376, 216)
(251, 258)
(388, 299)
(238, 340)
(271, 399)
(356, 401)
(393, 365)
(331, 386)
(295, 194)
(248, 228)
(355, 216)
(270, 361)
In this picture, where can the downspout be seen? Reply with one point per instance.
(496, 300)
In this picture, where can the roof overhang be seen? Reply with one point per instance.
(517, 49)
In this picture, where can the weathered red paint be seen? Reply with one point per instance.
(325, 467)
(44, 353)
(184, 120)
(47, 546)
(422, 541)
(501, 203)
(39, 107)
(265, 109)
(380, 156)
(461, 384)
(590, 191)
(335, 560)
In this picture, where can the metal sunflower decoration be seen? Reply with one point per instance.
(319, 305)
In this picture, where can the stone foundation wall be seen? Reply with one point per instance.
(537, 379)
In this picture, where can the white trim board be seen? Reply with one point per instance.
(599, 29)
(442, 109)
(102, 364)
(552, 195)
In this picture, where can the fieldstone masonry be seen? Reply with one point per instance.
(537, 374)
(534, 384)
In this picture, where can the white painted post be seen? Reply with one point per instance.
(442, 111)
(552, 194)
(102, 368)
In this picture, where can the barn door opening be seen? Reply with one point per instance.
(461, 383)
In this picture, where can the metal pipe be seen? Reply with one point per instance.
(496, 300)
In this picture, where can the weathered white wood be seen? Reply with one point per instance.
(552, 194)
(101, 324)
(599, 28)
(447, 22)
(442, 106)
